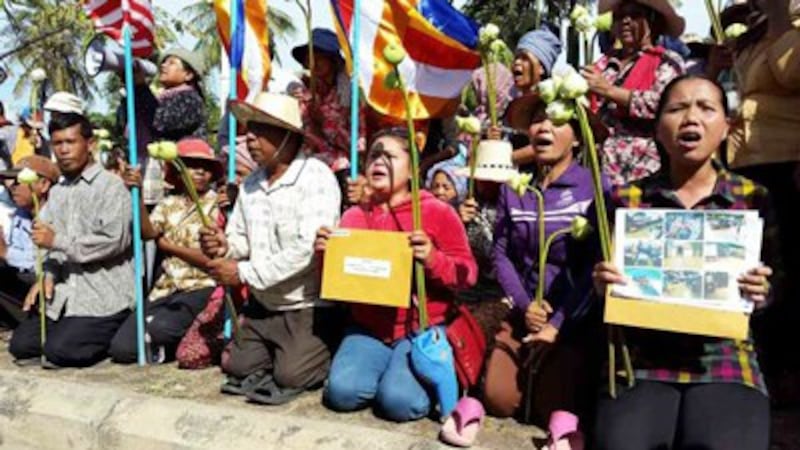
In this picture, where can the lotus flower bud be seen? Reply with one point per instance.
(604, 22)
(101, 133)
(577, 12)
(394, 53)
(583, 24)
(573, 86)
(168, 151)
(560, 112)
(580, 228)
(469, 125)
(548, 90)
(38, 75)
(154, 150)
(498, 47)
(27, 176)
(520, 182)
(735, 30)
(488, 34)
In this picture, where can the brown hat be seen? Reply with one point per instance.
(39, 164)
(675, 24)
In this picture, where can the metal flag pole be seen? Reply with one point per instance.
(133, 159)
(232, 94)
(354, 89)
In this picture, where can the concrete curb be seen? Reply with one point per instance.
(45, 413)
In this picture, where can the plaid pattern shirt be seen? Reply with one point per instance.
(272, 230)
(683, 358)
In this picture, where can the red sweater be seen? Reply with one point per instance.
(451, 265)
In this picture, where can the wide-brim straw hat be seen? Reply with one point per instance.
(674, 24)
(278, 110)
(494, 162)
(520, 113)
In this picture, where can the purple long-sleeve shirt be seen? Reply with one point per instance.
(569, 263)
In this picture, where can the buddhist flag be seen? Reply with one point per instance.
(248, 48)
(439, 40)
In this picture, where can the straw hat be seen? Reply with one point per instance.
(519, 115)
(493, 162)
(278, 110)
(675, 24)
(192, 59)
(65, 102)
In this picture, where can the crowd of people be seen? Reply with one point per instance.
(720, 132)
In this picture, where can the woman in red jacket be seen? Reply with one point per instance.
(373, 364)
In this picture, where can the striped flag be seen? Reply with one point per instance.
(108, 16)
(440, 43)
(248, 48)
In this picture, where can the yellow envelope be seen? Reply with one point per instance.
(676, 318)
(371, 267)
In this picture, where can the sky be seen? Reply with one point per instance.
(692, 10)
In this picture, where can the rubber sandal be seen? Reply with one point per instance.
(564, 432)
(267, 392)
(238, 386)
(462, 426)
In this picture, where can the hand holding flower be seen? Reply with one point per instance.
(43, 235)
(421, 246)
(537, 315)
(597, 82)
(34, 293)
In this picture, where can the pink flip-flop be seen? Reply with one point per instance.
(564, 432)
(462, 426)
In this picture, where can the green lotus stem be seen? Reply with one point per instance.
(716, 24)
(40, 281)
(604, 230)
(542, 239)
(491, 89)
(473, 165)
(590, 49)
(419, 268)
(543, 252)
(180, 166)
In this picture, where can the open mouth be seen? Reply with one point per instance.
(542, 141)
(379, 172)
(689, 138)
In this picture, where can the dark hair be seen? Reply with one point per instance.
(662, 104)
(398, 132)
(63, 121)
(2, 109)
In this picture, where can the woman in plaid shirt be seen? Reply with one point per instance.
(691, 391)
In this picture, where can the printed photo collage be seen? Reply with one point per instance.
(686, 257)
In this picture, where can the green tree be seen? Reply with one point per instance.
(50, 34)
(200, 21)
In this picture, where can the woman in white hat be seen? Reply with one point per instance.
(626, 84)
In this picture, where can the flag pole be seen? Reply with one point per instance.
(133, 159)
(354, 89)
(232, 94)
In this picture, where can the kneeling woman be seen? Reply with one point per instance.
(373, 362)
(561, 321)
(690, 391)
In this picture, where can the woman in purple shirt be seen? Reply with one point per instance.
(567, 189)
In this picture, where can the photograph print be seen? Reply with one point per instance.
(684, 226)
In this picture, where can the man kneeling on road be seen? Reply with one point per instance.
(287, 336)
(85, 229)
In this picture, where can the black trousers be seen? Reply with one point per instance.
(664, 416)
(167, 320)
(70, 341)
(14, 286)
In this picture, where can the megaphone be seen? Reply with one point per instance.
(106, 55)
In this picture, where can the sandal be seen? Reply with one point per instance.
(564, 432)
(267, 392)
(241, 386)
(462, 426)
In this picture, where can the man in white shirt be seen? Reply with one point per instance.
(285, 342)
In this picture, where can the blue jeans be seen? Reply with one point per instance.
(366, 369)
